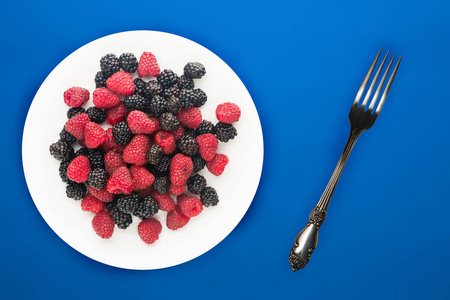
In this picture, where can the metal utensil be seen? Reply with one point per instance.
(361, 118)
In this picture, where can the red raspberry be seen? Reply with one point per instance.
(120, 182)
(148, 66)
(181, 167)
(189, 206)
(139, 123)
(176, 219)
(113, 161)
(104, 98)
(94, 135)
(76, 96)
(165, 202)
(103, 225)
(136, 150)
(217, 164)
(145, 192)
(121, 83)
(79, 169)
(207, 145)
(149, 230)
(178, 133)
(190, 117)
(177, 190)
(75, 125)
(102, 195)
(142, 178)
(228, 113)
(110, 145)
(92, 204)
(116, 114)
(155, 121)
(166, 141)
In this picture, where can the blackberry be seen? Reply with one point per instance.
(158, 105)
(109, 64)
(121, 133)
(161, 184)
(190, 132)
(194, 70)
(128, 62)
(187, 98)
(157, 173)
(154, 88)
(76, 190)
(185, 82)
(96, 114)
(122, 220)
(196, 184)
(127, 203)
(73, 111)
(224, 132)
(164, 164)
(209, 197)
(154, 154)
(63, 171)
(82, 151)
(67, 137)
(136, 102)
(96, 158)
(147, 207)
(61, 151)
(173, 105)
(188, 145)
(111, 205)
(141, 88)
(205, 127)
(168, 121)
(199, 163)
(167, 78)
(97, 178)
(171, 91)
(100, 79)
(200, 98)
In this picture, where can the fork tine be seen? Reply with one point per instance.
(388, 87)
(366, 79)
(380, 85)
(374, 81)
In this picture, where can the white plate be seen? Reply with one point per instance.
(236, 186)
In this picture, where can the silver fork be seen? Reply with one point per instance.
(361, 119)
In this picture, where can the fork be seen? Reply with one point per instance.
(361, 118)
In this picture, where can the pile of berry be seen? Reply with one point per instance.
(148, 160)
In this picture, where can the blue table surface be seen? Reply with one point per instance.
(386, 236)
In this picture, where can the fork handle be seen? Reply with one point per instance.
(306, 240)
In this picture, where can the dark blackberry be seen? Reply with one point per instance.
(187, 98)
(67, 137)
(122, 220)
(200, 98)
(196, 184)
(164, 164)
(82, 151)
(136, 102)
(73, 111)
(188, 145)
(63, 171)
(127, 203)
(190, 132)
(100, 79)
(168, 121)
(109, 64)
(224, 132)
(199, 163)
(158, 105)
(171, 91)
(154, 154)
(61, 151)
(154, 88)
(194, 70)
(173, 105)
(147, 207)
(76, 190)
(141, 88)
(205, 127)
(161, 184)
(128, 62)
(185, 82)
(154, 170)
(209, 197)
(96, 158)
(96, 114)
(167, 78)
(121, 133)
(97, 178)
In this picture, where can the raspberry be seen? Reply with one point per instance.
(205, 127)
(166, 141)
(103, 225)
(136, 102)
(225, 132)
(161, 184)
(61, 151)
(154, 154)
(185, 82)
(116, 114)
(187, 145)
(176, 219)
(136, 150)
(120, 182)
(165, 202)
(196, 184)
(76, 190)
(97, 178)
(207, 146)
(122, 220)
(96, 114)
(167, 78)
(194, 70)
(148, 66)
(76, 96)
(92, 204)
(187, 98)
(102, 195)
(141, 87)
(147, 207)
(141, 177)
(181, 167)
(100, 79)
(128, 62)
(228, 113)
(217, 164)
(189, 206)
(168, 121)
(139, 123)
(96, 158)
(109, 64)
(63, 171)
(110, 145)
(173, 105)
(177, 190)
(73, 111)
(104, 98)
(113, 161)
(209, 197)
(200, 98)
(178, 133)
(158, 105)
(199, 163)
(75, 125)
(79, 169)
(149, 230)
(121, 83)
(95, 135)
(121, 133)
(191, 117)
(127, 203)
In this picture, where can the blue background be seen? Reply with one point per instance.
(386, 236)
